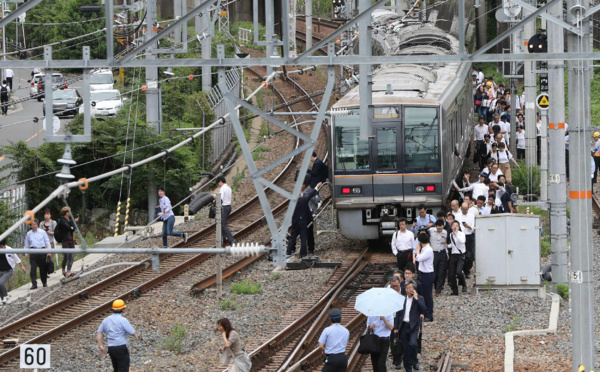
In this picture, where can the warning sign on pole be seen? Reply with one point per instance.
(542, 101)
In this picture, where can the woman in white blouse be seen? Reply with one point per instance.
(504, 158)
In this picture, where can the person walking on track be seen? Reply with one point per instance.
(332, 343)
(117, 328)
(7, 265)
(37, 239)
(64, 232)
(225, 192)
(166, 215)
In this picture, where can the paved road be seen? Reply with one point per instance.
(18, 125)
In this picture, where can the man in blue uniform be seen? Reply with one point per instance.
(333, 343)
(116, 328)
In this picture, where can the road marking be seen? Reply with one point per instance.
(35, 135)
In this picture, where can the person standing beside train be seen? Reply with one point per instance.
(423, 219)
(402, 244)
(467, 222)
(439, 243)
(479, 137)
(426, 274)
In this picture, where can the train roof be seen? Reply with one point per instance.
(410, 83)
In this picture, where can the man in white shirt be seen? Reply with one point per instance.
(9, 77)
(481, 208)
(426, 274)
(467, 222)
(454, 208)
(381, 326)
(480, 76)
(478, 188)
(495, 172)
(438, 238)
(402, 244)
(225, 192)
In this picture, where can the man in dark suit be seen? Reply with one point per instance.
(300, 221)
(407, 323)
(319, 171)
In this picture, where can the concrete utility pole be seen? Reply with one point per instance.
(581, 291)
(558, 184)
(203, 25)
(152, 100)
(530, 95)
(177, 13)
(308, 12)
(364, 74)
(481, 25)
(270, 31)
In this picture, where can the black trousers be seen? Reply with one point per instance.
(470, 254)
(597, 162)
(4, 105)
(426, 290)
(38, 260)
(310, 237)
(409, 345)
(455, 270)
(225, 211)
(67, 262)
(335, 363)
(119, 355)
(9, 81)
(379, 359)
(402, 259)
(440, 268)
(520, 154)
(297, 230)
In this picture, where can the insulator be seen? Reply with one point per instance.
(245, 249)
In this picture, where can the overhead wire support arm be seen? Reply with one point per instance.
(181, 21)
(548, 17)
(17, 12)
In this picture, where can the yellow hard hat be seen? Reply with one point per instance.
(489, 84)
(118, 304)
(597, 134)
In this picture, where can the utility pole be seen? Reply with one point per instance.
(205, 29)
(270, 31)
(558, 184)
(153, 106)
(581, 291)
(308, 12)
(365, 73)
(530, 94)
(177, 13)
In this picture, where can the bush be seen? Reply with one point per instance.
(230, 304)
(246, 287)
(176, 341)
(546, 248)
(563, 291)
(516, 322)
(526, 179)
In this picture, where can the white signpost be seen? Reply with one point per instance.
(35, 356)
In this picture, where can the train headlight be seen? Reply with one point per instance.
(420, 189)
(357, 190)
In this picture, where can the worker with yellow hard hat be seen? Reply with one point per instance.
(116, 328)
(596, 156)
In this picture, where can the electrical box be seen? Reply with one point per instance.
(508, 252)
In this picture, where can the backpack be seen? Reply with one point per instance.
(4, 93)
(58, 231)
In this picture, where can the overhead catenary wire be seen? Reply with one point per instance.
(65, 187)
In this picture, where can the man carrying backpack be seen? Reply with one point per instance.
(4, 93)
(63, 233)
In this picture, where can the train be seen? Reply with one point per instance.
(422, 117)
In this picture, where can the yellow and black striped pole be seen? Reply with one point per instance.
(126, 216)
(118, 218)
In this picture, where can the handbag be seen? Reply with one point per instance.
(477, 102)
(242, 362)
(369, 343)
(49, 265)
(212, 212)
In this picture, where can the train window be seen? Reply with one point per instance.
(388, 112)
(350, 153)
(386, 148)
(421, 136)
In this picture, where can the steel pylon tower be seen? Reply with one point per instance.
(224, 18)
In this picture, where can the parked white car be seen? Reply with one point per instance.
(106, 102)
(102, 80)
(37, 83)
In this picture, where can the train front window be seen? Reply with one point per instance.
(386, 148)
(350, 153)
(421, 138)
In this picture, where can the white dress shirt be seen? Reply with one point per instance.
(225, 195)
(425, 259)
(402, 241)
(457, 243)
(381, 329)
(477, 188)
(409, 301)
(469, 219)
(494, 177)
(480, 131)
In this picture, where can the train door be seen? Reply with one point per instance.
(385, 147)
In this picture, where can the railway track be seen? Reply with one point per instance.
(320, 22)
(295, 347)
(83, 306)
